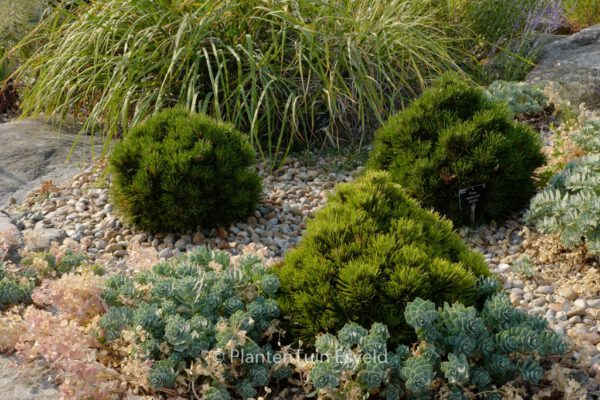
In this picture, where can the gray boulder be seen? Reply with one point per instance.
(573, 65)
(33, 152)
(36, 383)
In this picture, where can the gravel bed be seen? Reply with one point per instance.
(545, 279)
(82, 215)
(538, 273)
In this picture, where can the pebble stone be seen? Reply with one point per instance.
(291, 196)
(84, 212)
(570, 313)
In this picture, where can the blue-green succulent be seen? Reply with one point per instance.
(472, 352)
(521, 97)
(201, 308)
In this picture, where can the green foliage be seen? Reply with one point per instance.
(588, 137)
(16, 285)
(296, 70)
(200, 309)
(418, 374)
(521, 97)
(507, 343)
(52, 265)
(214, 393)
(177, 171)
(4, 66)
(506, 35)
(456, 369)
(570, 205)
(14, 291)
(454, 137)
(163, 374)
(18, 281)
(368, 252)
(524, 266)
(17, 18)
(582, 13)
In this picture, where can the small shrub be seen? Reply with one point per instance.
(75, 296)
(367, 253)
(570, 205)
(177, 171)
(15, 286)
(51, 264)
(202, 313)
(11, 330)
(466, 351)
(521, 97)
(454, 137)
(58, 329)
(71, 351)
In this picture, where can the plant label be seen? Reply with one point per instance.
(471, 197)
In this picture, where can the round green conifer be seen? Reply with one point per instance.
(365, 255)
(454, 137)
(177, 171)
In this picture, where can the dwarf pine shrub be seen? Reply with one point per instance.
(367, 253)
(202, 309)
(454, 137)
(521, 97)
(467, 351)
(177, 171)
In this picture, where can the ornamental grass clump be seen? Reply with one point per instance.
(367, 253)
(283, 71)
(507, 36)
(460, 351)
(455, 137)
(177, 171)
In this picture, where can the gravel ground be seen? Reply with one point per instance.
(546, 279)
(81, 213)
(540, 275)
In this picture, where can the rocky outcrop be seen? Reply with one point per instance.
(33, 384)
(32, 152)
(573, 65)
